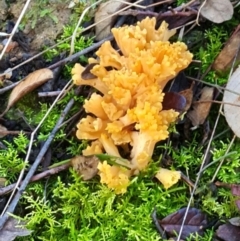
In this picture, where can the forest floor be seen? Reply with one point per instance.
(74, 165)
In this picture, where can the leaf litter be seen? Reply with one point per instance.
(201, 108)
(12, 229)
(230, 100)
(217, 11)
(195, 223)
(31, 82)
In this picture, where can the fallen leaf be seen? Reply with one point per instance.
(238, 204)
(235, 221)
(103, 27)
(232, 112)
(3, 131)
(188, 94)
(31, 82)
(202, 107)
(217, 11)
(235, 189)
(224, 60)
(12, 229)
(228, 232)
(86, 74)
(173, 101)
(194, 224)
(85, 166)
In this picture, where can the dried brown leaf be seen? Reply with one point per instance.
(195, 221)
(86, 74)
(173, 101)
(188, 94)
(228, 232)
(85, 166)
(12, 229)
(31, 82)
(224, 60)
(3, 131)
(201, 109)
(232, 112)
(103, 28)
(217, 11)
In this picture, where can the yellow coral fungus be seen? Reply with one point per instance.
(115, 177)
(128, 111)
(95, 148)
(168, 177)
(77, 79)
(94, 106)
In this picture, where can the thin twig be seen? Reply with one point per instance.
(15, 28)
(213, 85)
(216, 102)
(2, 132)
(31, 143)
(199, 11)
(198, 176)
(37, 177)
(33, 168)
(63, 41)
(226, 153)
(78, 24)
(9, 87)
(73, 58)
(157, 15)
(206, 152)
(49, 93)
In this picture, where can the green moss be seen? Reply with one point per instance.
(79, 210)
(11, 161)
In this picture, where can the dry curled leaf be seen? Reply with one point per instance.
(3, 131)
(12, 229)
(230, 99)
(202, 107)
(235, 221)
(188, 94)
(224, 60)
(194, 223)
(31, 82)
(228, 232)
(173, 101)
(85, 166)
(217, 11)
(86, 74)
(103, 27)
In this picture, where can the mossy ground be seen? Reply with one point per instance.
(64, 207)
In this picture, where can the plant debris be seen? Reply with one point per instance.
(225, 58)
(228, 232)
(31, 82)
(201, 107)
(217, 11)
(86, 167)
(194, 224)
(136, 122)
(230, 100)
(104, 19)
(12, 229)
